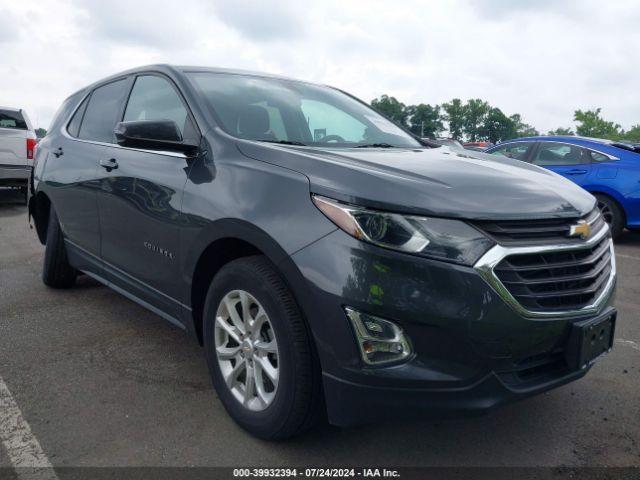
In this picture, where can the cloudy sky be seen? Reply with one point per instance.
(542, 59)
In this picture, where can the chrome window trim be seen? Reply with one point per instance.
(608, 155)
(66, 134)
(115, 145)
(485, 268)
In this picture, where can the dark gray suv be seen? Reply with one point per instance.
(329, 262)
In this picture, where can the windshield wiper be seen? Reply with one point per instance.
(285, 142)
(375, 145)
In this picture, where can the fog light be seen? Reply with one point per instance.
(380, 341)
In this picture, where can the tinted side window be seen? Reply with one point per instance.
(11, 119)
(74, 125)
(153, 98)
(514, 150)
(550, 153)
(102, 112)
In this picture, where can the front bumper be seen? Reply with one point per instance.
(472, 350)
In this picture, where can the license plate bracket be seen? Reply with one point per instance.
(590, 339)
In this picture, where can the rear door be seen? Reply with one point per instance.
(13, 138)
(140, 200)
(72, 170)
(570, 161)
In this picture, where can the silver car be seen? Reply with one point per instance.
(17, 148)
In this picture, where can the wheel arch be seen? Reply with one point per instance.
(613, 196)
(226, 240)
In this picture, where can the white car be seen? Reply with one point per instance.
(17, 148)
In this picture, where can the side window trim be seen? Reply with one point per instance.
(170, 81)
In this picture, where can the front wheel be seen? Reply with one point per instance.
(259, 351)
(612, 214)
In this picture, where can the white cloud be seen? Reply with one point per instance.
(541, 59)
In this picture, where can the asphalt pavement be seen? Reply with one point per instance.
(103, 382)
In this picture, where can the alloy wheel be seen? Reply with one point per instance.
(247, 350)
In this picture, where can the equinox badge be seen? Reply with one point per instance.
(156, 249)
(581, 229)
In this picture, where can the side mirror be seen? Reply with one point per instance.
(153, 135)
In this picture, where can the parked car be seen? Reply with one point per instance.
(326, 259)
(477, 146)
(449, 142)
(607, 169)
(17, 146)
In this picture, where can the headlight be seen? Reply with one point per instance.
(439, 238)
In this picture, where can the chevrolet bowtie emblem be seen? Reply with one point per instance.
(581, 229)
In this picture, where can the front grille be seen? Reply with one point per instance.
(536, 232)
(557, 280)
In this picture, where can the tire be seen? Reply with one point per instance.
(613, 214)
(56, 271)
(295, 403)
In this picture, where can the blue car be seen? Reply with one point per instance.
(607, 169)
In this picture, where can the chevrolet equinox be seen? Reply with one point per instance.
(330, 263)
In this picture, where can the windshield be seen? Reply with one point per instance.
(275, 110)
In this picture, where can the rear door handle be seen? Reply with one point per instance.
(109, 165)
(576, 171)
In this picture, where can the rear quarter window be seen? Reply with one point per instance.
(12, 119)
(102, 112)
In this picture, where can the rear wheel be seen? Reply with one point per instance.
(612, 214)
(56, 271)
(259, 351)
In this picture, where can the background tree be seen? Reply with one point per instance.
(633, 134)
(391, 108)
(591, 124)
(497, 127)
(560, 131)
(522, 129)
(425, 120)
(40, 132)
(475, 112)
(454, 115)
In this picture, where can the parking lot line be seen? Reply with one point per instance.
(22, 447)
(621, 255)
(629, 343)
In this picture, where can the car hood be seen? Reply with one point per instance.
(441, 181)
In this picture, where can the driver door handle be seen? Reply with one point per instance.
(109, 165)
(576, 171)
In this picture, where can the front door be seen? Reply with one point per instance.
(140, 199)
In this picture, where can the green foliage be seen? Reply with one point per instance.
(633, 134)
(40, 132)
(454, 116)
(561, 131)
(475, 113)
(496, 126)
(391, 108)
(522, 129)
(425, 120)
(476, 120)
(591, 124)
